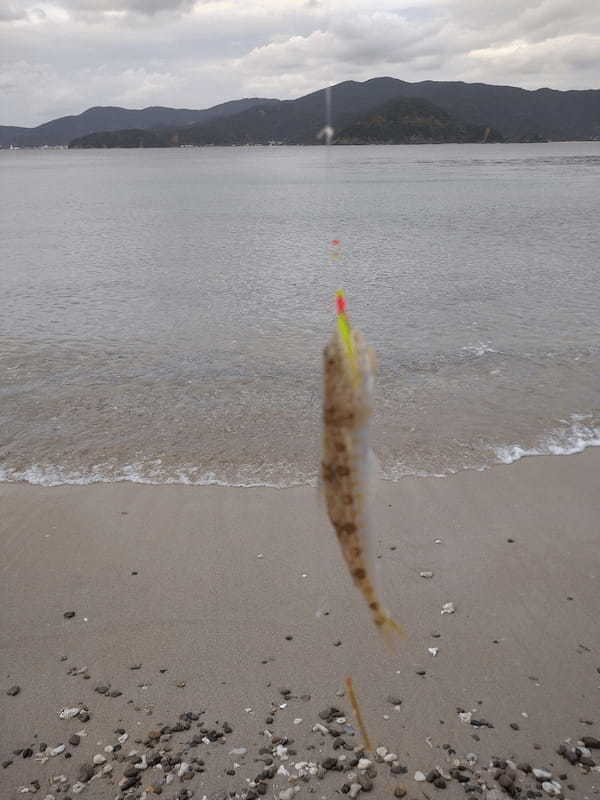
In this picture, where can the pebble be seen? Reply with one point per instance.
(69, 713)
(13, 691)
(553, 788)
(426, 574)
(433, 650)
(287, 794)
(69, 614)
(591, 742)
(78, 787)
(420, 776)
(56, 751)
(355, 789)
(74, 739)
(448, 608)
(86, 772)
(394, 700)
(99, 759)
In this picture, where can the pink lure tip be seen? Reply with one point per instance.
(340, 302)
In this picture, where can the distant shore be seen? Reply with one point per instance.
(236, 602)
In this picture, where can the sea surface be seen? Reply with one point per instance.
(163, 312)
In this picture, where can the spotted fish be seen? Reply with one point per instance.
(349, 370)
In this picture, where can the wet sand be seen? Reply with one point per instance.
(225, 596)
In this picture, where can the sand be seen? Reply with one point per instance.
(203, 585)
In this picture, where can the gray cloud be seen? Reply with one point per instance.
(61, 56)
(11, 13)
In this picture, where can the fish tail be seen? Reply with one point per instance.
(391, 632)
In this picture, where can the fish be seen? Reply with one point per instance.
(349, 367)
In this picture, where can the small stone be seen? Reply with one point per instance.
(448, 608)
(553, 788)
(515, 726)
(542, 774)
(355, 789)
(77, 787)
(131, 772)
(426, 574)
(591, 742)
(439, 783)
(6, 763)
(398, 769)
(69, 614)
(56, 751)
(135, 666)
(505, 781)
(420, 776)
(27, 753)
(74, 739)
(69, 713)
(115, 693)
(84, 716)
(99, 759)
(13, 691)
(86, 772)
(102, 689)
(399, 791)
(394, 700)
(524, 766)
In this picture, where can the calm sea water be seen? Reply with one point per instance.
(163, 312)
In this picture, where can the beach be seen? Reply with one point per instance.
(233, 605)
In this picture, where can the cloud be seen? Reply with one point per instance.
(11, 13)
(60, 56)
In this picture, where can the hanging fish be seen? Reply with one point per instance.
(349, 373)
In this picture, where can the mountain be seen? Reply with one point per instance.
(412, 121)
(518, 113)
(108, 118)
(512, 113)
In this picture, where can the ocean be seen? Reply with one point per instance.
(163, 312)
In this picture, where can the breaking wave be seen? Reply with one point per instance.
(576, 437)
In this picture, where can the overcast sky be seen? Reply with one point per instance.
(60, 57)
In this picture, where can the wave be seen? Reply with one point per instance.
(53, 475)
(579, 432)
(576, 437)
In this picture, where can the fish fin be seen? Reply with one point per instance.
(392, 634)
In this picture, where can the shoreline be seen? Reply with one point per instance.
(208, 584)
(55, 476)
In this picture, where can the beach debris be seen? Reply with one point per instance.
(448, 608)
(426, 574)
(358, 714)
(433, 650)
(13, 691)
(349, 367)
(69, 614)
(419, 776)
(69, 713)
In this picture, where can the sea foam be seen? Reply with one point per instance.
(575, 437)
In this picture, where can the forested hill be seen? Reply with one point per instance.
(110, 118)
